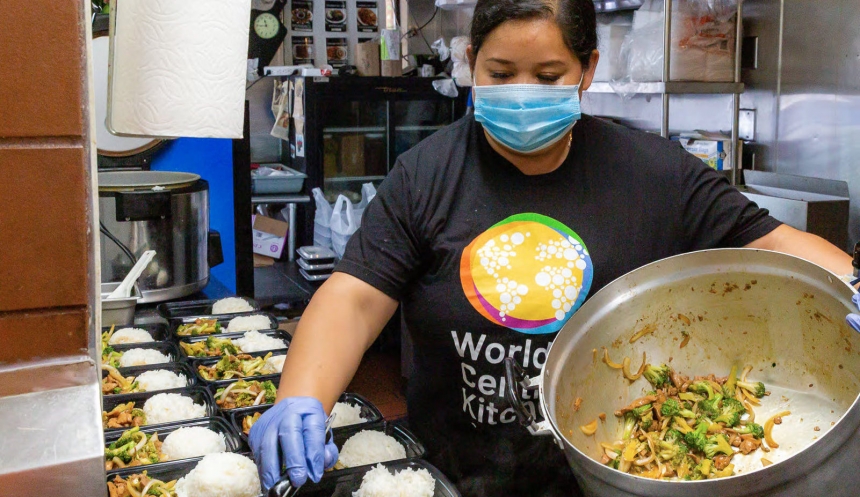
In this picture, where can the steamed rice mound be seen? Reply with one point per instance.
(221, 475)
(231, 305)
(249, 323)
(370, 447)
(142, 357)
(130, 335)
(254, 341)
(170, 407)
(274, 364)
(379, 482)
(193, 441)
(346, 415)
(160, 379)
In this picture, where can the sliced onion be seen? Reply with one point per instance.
(613, 365)
(263, 394)
(626, 365)
(768, 428)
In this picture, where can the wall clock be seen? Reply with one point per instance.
(267, 31)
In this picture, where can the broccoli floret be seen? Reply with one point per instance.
(657, 375)
(674, 408)
(753, 429)
(126, 437)
(696, 439)
(646, 420)
(730, 412)
(671, 451)
(674, 436)
(271, 392)
(711, 406)
(227, 363)
(690, 396)
(703, 388)
(756, 388)
(718, 444)
(629, 422)
(701, 471)
(729, 385)
(640, 411)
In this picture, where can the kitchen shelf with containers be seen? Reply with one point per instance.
(674, 49)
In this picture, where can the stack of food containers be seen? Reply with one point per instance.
(174, 394)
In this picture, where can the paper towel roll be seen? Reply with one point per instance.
(179, 67)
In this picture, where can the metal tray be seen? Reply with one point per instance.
(213, 389)
(158, 331)
(168, 348)
(221, 383)
(278, 184)
(198, 394)
(196, 308)
(218, 425)
(283, 335)
(175, 323)
(368, 411)
(176, 367)
(344, 485)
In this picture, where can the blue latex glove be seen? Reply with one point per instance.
(294, 427)
(854, 319)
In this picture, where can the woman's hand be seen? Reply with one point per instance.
(294, 427)
(854, 319)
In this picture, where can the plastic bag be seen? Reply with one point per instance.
(439, 47)
(322, 220)
(343, 224)
(368, 191)
(461, 73)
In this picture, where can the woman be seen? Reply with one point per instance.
(491, 234)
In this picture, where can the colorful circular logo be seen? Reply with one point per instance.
(529, 273)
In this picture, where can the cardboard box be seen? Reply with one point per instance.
(714, 150)
(367, 58)
(263, 261)
(269, 235)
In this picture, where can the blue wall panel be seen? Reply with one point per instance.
(212, 159)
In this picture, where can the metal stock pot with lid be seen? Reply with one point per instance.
(782, 315)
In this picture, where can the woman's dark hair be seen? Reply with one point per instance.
(576, 18)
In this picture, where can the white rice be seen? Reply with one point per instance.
(130, 335)
(379, 482)
(170, 407)
(221, 475)
(370, 447)
(160, 379)
(249, 323)
(346, 415)
(193, 441)
(254, 341)
(274, 364)
(142, 357)
(231, 305)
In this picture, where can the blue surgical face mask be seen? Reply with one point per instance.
(527, 118)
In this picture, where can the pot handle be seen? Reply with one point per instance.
(516, 378)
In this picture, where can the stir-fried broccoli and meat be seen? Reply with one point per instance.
(246, 394)
(236, 366)
(248, 422)
(115, 383)
(133, 448)
(138, 485)
(199, 327)
(123, 416)
(687, 429)
(211, 347)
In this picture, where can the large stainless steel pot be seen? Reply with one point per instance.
(162, 211)
(783, 315)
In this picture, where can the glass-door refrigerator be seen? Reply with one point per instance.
(350, 131)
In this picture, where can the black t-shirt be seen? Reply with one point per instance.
(488, 262)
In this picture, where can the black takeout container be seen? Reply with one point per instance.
(176, 367)
(218, 425)
(213, 390)
(196, 308)
(158, 331)
(167, 348)
(368, 411)
(199, 395)
(283, 335)
(175, 323)
(345, 484)
(222, 383)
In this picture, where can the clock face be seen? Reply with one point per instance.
(266, 26)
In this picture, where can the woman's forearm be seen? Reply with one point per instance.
(343, 319)
(813, 248)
